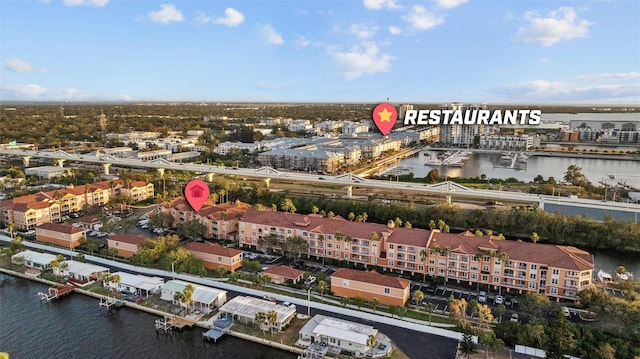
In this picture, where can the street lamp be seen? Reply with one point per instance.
(173, 269)
(309, 302)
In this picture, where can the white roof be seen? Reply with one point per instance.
(139, 281)
(321, 325)
(248, 307)
(35, 257)
(205, 295)
(84, 269)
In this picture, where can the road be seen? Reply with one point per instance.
(445, 189)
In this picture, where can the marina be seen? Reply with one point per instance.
(513, 160)
(449, 159)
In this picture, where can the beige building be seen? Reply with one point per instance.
(215, 255)
(282, 274)
(64, 235)
(389, 290)
(126, 244)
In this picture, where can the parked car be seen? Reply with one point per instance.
(514, 317)
(499, 300)
(482, 297)
(567, 313)
(508, 302)
(312, 279)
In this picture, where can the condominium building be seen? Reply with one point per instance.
(509, 142)
(29, 211)
(220, 220)
(557, 271)
(461, 135)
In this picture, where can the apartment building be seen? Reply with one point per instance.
(29, 211)
(389, 290)
(509, 142)
(215, 255)
(557, 271)
(60, 234)
(220, 220)
(125, 244)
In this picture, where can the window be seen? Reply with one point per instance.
(554, 281)
(486, 258)
(387, 291)
(556, 271)
(219, 259)
(534, 267)
(421, 268)
(390, 263)
(496, 279)
(485, 278)
(485, 268)
(345, 283)
(391, 246)
(532, 285)
(553, 290)
(474, 276)
(532, 276)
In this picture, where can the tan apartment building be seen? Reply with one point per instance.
(126, 244)
(60, 234)
(220, 220)
(557, 271)
(215, 255)
(29, 211)
(389, 290)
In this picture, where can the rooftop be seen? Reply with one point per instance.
(84, 269)
(61, 228)
(128, 238)
(248, 307)
(139, 281)
(338, 328)
(284, 271)
(35, 257)
(372, 277)
(214, 249)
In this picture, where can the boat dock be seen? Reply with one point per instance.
(512, 160)
(56, 292)
(111, 302)
(449, 159)
(213, 334)
(168, 323)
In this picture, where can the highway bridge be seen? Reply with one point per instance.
(593, 208)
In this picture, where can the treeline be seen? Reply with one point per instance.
(514, 224)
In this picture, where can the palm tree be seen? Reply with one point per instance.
(261, 318)
(11, 227)
(372, 341)
(348, 239)
(322, 286)
(417, 297)
(374, 236)
(221, 193)
(321, 241)
(315, 209)
(272, 318)
(288, 206)
(441, 224)
(187, 295)
(430, 309)
(535, 237)
(213, 196)
(374, 304)
(178, 297)
(432, 224)
(423, 258)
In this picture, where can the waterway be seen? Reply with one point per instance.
(596, 170)
(75, 327)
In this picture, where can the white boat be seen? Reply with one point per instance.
(522, 158)
(604, 276)
(622, 276)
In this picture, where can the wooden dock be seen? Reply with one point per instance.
(56, 292)
(111, 303)
(168, 323)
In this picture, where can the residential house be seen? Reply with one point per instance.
(33, 259)
(282, 274)
(215, 255)
(60, 234)
(388, 289)
(80, 272)
(138, 285)
(203, 298)
(244, 310)
(126, 244)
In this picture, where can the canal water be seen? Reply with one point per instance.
(75, 327)
(596, 170)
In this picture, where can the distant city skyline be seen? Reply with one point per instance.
(527, 52)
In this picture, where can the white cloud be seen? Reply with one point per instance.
(271, 35)
(379, 4)
(96, 3)
(596, 87)
(167, 13)
(450, 4)
(232, 17)
(35, 92)
(302, 41)
(362, 31)
(394, 30)
(364, 59)
(545, 60)
(17, 65)
(559, 25)
(423, 19)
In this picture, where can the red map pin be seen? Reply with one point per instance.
(196, 193)
(385, 116)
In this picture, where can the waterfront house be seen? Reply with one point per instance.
(282, 274)
(215, 255)
(203, 298)
(33, 259)
(244, 310)
(60, 234)
(388, 289)
(323, 334)
(80, 272)
(138, 285)
(126, 244)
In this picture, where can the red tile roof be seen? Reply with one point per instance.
(128, 238)
(60, 228)
(284, 271)
(552, 255)
(214, 249)
(372, 277)
(210, 210)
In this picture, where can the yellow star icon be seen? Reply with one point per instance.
(385, 116)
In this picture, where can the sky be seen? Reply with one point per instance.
(428, 51)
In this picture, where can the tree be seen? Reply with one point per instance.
(372, 341)
(441, 224)
(315, 209)
(478, 233)
(178, 297)
(606, 351)
(484, 316)
(491, 342)
(575, 176)
(433, 175)
(322, 286)
(161, 220)
(423, 259)
(12, 228)
(16, 245)
(432, 224)
(272, 318)
(535, 237)
(192, 229)
(417, 297)
(374, 303)
(359, 301)
(261, 319)
(351, 216)
(321, 242)
(561, 340)
(407, 225)
(220, 272)
(374, 236)
(458, 310)
(288, 206)
(398, 222)
(467, 346)
(500, 310)
(297, 245)
(430, 309)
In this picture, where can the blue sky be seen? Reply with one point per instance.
(336, 50)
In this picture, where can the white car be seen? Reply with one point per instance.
(514, 317)
(312, 279)
(567, 313)
(499, 300)
(482, 297)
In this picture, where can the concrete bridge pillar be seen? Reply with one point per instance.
(106, 167)
(349, 191)
(210, 177)
(25, 160)
(60, 162)
(267, 181)
(161, 171)
(449, 199)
